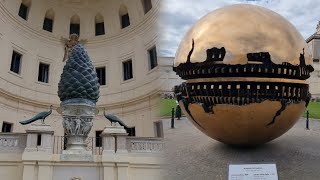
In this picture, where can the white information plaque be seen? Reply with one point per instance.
(253, 172)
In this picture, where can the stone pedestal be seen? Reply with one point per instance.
(114, 139)
(115, 149)
(77, 116)
(42, 131)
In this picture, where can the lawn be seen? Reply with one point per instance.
(314, 110)
(166, 106)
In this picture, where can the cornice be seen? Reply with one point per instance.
(40, 104)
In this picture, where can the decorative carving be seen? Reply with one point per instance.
(266, 68)
(9, 142)
(12, 142)
(216, 54)
(145, 145)
(70, 43)
(79, 79)
(75, 125)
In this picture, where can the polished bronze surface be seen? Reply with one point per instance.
(245, 69)
(241, 29)
(243, 125)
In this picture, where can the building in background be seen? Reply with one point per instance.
(314, 45)
(121, 39)
(168, 77)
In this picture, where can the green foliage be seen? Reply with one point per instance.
(166, 106)
(314, 110)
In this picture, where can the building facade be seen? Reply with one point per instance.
(121, 40)
(168, 77)
(314, 45)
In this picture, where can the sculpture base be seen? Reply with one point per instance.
(76, 143)
(114, 130)
(76, 155)
(40, 128)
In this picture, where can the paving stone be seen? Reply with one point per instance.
(191, 155)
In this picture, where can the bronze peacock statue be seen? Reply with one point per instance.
(114, 119)
(41, 116)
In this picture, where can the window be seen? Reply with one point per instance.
(131, 131)
(98, 139)
(6, 127)
(48, 20)
(124, 16)
(153, 62)
(127, 70)
(75, 29)
(47, 24)
(99, 25)
(75, 25)
(147, 5)
(39, 140)
(15, 62)
(43, 73)
(23, 11)
(100, 29)
(125, 21)
(101, 73)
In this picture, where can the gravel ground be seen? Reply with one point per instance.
(192, 155)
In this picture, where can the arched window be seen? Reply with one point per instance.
(147, 5)
(24, 9)
(124, 16)
(99, 25)
(75, 25)
(48, 20)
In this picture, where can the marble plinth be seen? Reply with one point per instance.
(76, 155)
(117, 129)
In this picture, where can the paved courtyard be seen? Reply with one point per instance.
(192, 155)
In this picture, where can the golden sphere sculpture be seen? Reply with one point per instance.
(245, 69)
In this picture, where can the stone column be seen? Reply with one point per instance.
(45, 170)
(115, 150)
(109, 143)
(109, 171)
(41, 153)
(114, 139)
(45, 132)
(29, 170)
(123, 168)
(121, 142)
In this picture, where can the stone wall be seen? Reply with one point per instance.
(22, 159)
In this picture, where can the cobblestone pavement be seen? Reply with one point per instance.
(192, 155)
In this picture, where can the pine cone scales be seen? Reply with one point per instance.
(79, 78)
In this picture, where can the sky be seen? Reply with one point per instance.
(178, 16)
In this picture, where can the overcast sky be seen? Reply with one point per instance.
(177, 16)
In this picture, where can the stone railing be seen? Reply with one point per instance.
(144, 144)
(12, 142)
(17, 142)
